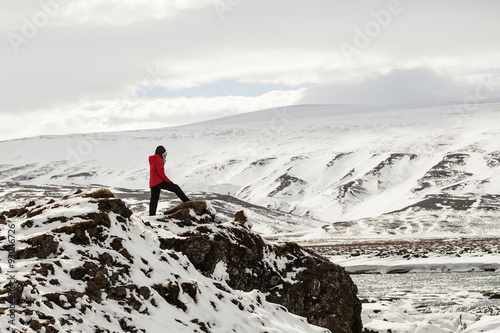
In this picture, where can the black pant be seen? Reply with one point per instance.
(155, 194)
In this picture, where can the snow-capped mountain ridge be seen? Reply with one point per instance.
(311, 111)
(314, 161)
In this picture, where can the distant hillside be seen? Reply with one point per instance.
(327, 162)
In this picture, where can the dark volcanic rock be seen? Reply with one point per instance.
(446, 172)
(41, 246)
(305, 283)
(184, 212)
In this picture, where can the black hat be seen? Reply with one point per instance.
(160, 150)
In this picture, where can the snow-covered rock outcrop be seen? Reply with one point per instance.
(85, 263)
(305, 283)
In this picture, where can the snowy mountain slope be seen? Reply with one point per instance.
(436, 216)
(285, 113)
(86, 263)
(330, 163)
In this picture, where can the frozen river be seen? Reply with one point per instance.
(430, 302)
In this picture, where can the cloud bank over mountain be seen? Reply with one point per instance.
(73, 60)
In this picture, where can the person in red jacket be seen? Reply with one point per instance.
(158, 180)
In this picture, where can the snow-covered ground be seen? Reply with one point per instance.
(430, 302)
(468, 254)
(399, 302)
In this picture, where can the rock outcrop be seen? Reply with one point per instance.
(86, 263)
(305, 283)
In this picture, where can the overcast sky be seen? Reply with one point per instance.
(71, 66)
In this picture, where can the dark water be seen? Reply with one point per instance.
(434, 292)
(381, 284)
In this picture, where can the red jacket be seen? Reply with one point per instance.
(156, 171)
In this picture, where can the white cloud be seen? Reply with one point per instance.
(420, 85)
(131, 114)
(88, 52)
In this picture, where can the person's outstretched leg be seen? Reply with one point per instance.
(153, 202)
(170, 186)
